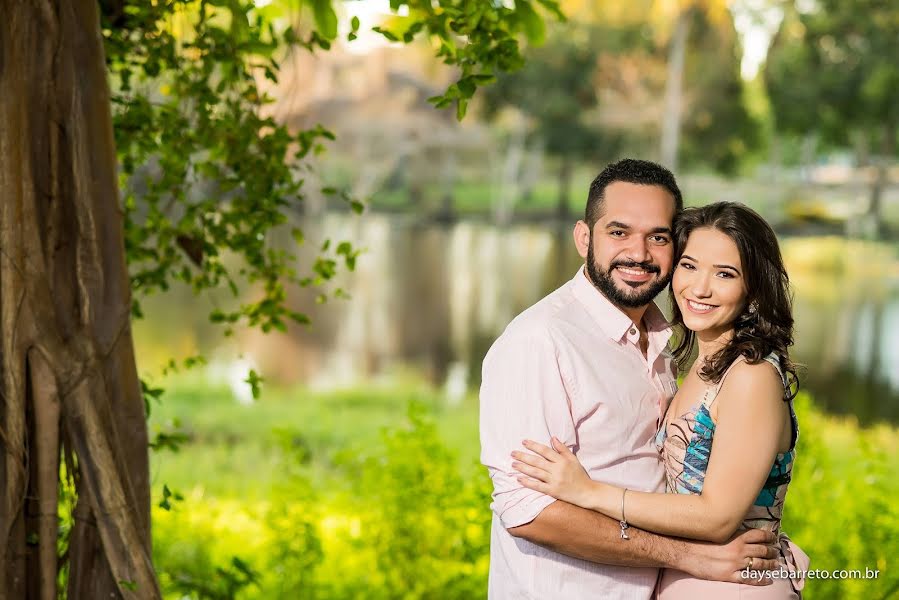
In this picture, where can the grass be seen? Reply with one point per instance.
(233, 450)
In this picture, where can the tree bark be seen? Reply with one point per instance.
(671, 117)
(67, 370)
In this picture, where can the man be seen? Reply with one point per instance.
(587, 364)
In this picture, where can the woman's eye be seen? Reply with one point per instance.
(686, 265)
(725, 275)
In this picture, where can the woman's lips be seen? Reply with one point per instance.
(700, 308)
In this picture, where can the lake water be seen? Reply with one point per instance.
(431, 298)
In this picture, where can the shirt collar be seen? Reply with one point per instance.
(612, 320)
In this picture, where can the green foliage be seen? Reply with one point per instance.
(840, 506)
(213, 184)
(422, 521)
(206, 175)
(400, 515)
(557, 93)
(718, 130)
(197, 555)
(832, 72)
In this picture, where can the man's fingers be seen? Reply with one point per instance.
(763, 564)
(760, 551)
(757, 536)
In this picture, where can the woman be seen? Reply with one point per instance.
(730, 296)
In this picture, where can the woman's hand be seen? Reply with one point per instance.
(554, 471)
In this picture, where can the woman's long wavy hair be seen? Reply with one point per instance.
(769, 327)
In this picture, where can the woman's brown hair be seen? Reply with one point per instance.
(766, 324)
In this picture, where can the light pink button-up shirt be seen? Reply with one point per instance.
(571, 366)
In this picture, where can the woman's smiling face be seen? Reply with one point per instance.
(709, 284)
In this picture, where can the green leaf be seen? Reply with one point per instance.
(167, 496)
(461, 108)
(255, 382)
(387, 34)
(467, 87)
(533, 25)
(168, 441)
(354, 24)
(325, 18)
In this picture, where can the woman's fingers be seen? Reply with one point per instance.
(561, 448)
(544, 451)
(529, 470)
(532, 459)
(534, 484)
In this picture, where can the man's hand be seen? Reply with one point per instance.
(724, 562)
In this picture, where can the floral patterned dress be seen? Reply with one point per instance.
(685, 444)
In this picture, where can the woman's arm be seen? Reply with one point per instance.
(751, 417)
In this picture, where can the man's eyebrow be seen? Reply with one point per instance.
(620, 225)
(617, 225)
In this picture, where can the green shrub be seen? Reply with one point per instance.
(841, 506)
(423, 524)
(402, 517)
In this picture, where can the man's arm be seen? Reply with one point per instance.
(588, 535)
(524, 396)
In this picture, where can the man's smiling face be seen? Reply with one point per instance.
(630, 253)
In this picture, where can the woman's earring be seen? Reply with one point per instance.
(753, 308)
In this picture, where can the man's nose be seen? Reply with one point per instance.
(638, 250)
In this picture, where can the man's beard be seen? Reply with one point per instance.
(605, 284)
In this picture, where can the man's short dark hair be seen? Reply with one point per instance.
(629, 170)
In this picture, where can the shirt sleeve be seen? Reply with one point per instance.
(523, 396)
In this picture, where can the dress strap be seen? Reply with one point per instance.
(774, 359)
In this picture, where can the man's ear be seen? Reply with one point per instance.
(582, 238)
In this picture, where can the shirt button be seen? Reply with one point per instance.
(633, 331)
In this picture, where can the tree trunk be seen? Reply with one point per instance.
(67, 370)
(671, 117)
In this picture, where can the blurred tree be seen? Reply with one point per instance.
(718, 129)
(205, 174)
(669, 79)
(832, 72)
(682, 14)
(556, 93)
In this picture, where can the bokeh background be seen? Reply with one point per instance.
(354, 473)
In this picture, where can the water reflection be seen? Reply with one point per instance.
(434, 297)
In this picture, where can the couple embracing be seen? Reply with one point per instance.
(608, 480)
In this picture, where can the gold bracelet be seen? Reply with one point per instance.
(623, 522)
